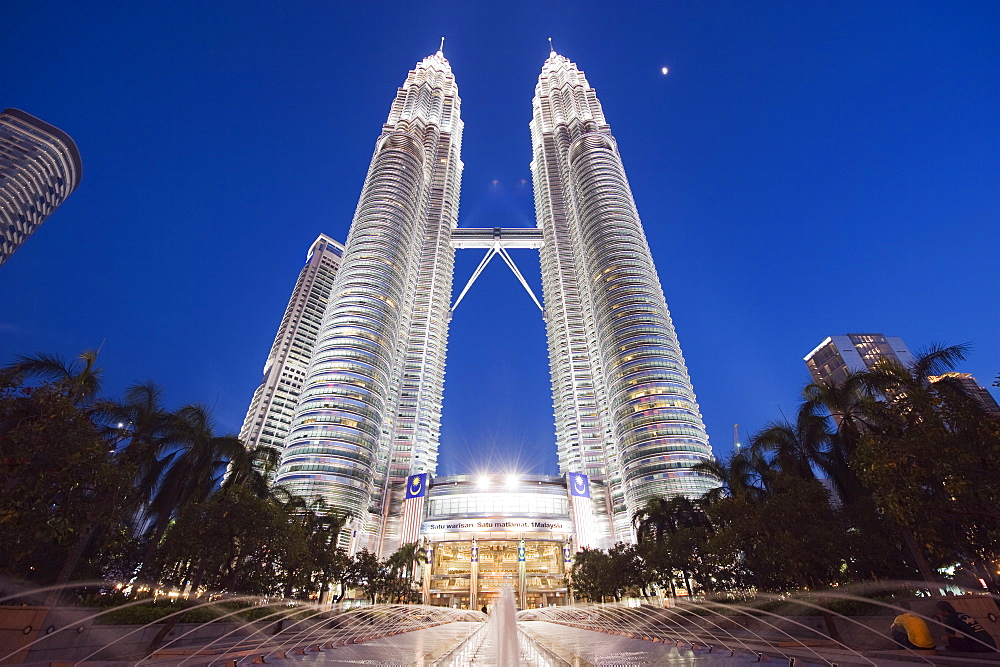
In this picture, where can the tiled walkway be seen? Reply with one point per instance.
(481, 650)
(546, 644)
(421, 647)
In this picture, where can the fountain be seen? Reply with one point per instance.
(505, 630)
(810, 629)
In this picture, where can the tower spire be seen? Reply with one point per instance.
(441, 48)
(552, 49)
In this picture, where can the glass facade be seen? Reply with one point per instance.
(625, 409)
(369, 411)
(486, 533)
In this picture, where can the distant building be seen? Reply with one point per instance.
(39, 167)
(971, 388)
(273, 403)
(838, 356)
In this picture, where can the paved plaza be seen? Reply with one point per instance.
(541, 644)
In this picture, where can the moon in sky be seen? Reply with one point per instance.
(664, 70)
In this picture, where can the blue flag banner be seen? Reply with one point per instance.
(579, 485)
(416, 486)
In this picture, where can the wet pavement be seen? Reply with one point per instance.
(578, 646)
(420, 647)
(542, 644)
(547, 644)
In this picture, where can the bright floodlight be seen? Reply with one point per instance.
(511, 481)
(484, 481)
(664, 70)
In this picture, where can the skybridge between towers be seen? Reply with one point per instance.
(496, 241)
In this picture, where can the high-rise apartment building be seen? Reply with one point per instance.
(838, 356)
(39, 167)
(270, 414)
(364, 435)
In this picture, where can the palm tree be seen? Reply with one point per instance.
(852, 409)
(406, 558)
(918, 415)
(192, 471)
(742, 474)
(652, 519)
(251, 468)
(797, 447)
(667, 515)
(82, 380)
(141, 422)
(907, 388)
(846, 402)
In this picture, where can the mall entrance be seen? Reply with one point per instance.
(472, 574)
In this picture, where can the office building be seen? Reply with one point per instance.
(971, 388)
(39, 167)
(364, 434)
(270, 414)
(625, 407)
(838, 356)
(369, 412)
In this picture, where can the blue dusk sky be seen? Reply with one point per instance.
(804, 169)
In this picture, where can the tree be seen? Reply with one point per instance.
(191, 471)
(931, 457)
(59, 486)
(740, 475)
(139, 430)
(403, 563)
(81, 381)
(598, 575)
(794, 448)
(233, 541)
(250, 467)
(681, 530)
(789, 539)
(370, 573)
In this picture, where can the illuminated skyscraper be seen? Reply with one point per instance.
(369, 412)
(270, 414)
(624, 405)
(370, 408)
(39, 167)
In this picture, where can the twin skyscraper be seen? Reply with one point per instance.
(367, 413)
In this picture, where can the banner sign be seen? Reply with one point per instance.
(500, 524)
(579, 485)
(416, 486)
